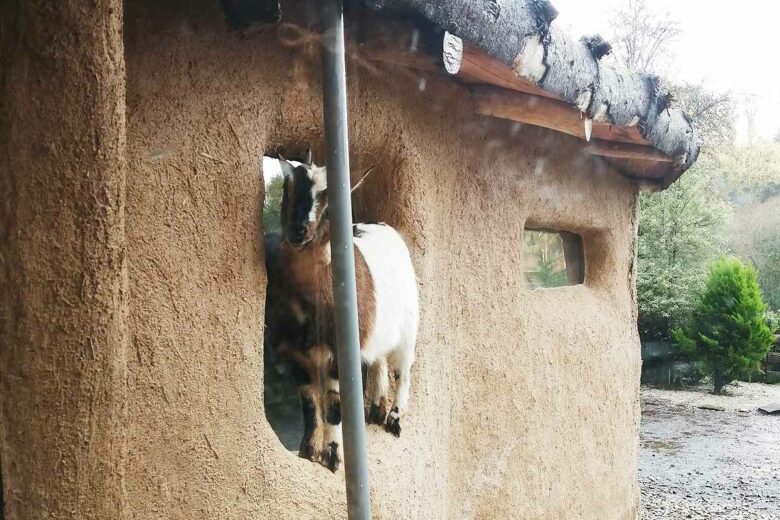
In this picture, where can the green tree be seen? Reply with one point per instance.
(272, 205)
(728, 332)
(681, 231)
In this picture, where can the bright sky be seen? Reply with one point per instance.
(732, 46)
(272, 168)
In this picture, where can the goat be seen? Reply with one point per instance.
(299, 311)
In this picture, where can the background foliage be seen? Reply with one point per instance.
(729, 202)
(272, 205)
(681, 231)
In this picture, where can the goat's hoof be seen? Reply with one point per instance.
(308, 450)
(330, 457)
(393, 424)
(375, 415)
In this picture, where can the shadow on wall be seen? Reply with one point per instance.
(281, 402)
(280, 394)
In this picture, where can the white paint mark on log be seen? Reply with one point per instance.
(529, 64)
(452, 53)
(583, 100)
(415, 41)
(602, 113)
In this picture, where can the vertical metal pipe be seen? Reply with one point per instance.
(334, 91)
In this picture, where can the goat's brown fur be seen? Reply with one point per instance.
(308, 274)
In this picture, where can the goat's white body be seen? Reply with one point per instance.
(397, 310)
(395, 288)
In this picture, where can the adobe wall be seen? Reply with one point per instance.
(524, 403)
(63, 285)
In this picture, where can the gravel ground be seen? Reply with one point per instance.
(710, 464)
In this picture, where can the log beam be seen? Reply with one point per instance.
(605, 140)
(499, 92)
(516, 46)
(548, 113)
(474, 67)
(626, 151)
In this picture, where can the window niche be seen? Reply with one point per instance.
(370, 204)
(552, 258)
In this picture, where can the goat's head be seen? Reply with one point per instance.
(304, 200)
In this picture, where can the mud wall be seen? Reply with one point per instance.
(63, 287)
(524, 403)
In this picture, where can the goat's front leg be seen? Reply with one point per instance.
(402, 362)
(379, 388)
(307, 378)
(332, 451)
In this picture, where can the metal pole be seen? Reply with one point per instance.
(334, 90)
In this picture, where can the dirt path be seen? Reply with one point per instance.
(709, 464)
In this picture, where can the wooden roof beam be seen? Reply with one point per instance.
(604, 140)
(499, 92)
(471, 65)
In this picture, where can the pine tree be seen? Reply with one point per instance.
(728, 332)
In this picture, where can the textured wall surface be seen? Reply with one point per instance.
(524, 403)
(63, 327)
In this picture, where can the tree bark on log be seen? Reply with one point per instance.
(520, 34)
(62, 259)
(508, 22)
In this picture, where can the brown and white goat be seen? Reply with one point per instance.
(299, 312)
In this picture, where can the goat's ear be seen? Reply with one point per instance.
(287, 168)
(307, 157)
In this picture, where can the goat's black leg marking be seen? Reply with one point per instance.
(377, 410)
(331, 453)
(393, 424)
(309, 448)
(311, 441)
(330, 456)
(333, 411)
(332, 395)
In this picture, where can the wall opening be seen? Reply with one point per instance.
(280, 393)
(371, 203)
(552, 258)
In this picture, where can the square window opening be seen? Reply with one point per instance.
(552, 258)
